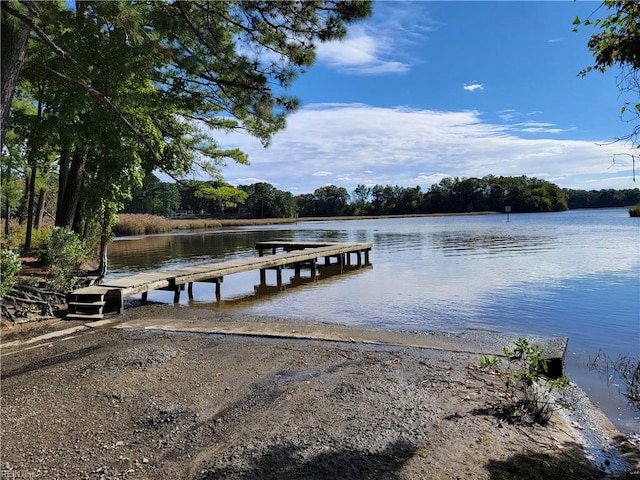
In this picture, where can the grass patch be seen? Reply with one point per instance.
(143, 224)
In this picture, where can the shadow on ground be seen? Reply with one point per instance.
(287, 462)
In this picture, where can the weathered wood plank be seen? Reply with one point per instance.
(295, 254)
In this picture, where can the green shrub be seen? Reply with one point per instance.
(40, 237)
(15, 240)
(528, 392)
(63, 253)
(9, 266)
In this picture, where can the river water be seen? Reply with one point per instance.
(574, 274)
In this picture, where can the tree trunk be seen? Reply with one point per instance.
(42, 202)
(30, 208)
(14, 45)
(69, 195)
(22, 208)
(64, 166)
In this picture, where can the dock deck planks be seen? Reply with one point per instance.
(295, 253)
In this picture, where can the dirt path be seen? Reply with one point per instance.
(132, 403)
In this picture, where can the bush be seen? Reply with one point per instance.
(528, 392)
(63, 253)
(9, 265)
(40, 237)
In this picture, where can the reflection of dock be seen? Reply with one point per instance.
(92, 302)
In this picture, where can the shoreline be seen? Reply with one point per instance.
(375, 404)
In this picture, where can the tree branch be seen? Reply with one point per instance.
(102, 98)
(45, 38)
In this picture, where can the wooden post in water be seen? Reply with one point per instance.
(312, 265)
(218, 281)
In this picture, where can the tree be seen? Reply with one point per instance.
(266, 201)
(135, 87)
(618, 43)
(360, 197)
(223, 195)
(14, 35)
(11, 170)
(154, 197)
(306, 205)
(331, 200)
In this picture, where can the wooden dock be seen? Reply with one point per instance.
(94, 301)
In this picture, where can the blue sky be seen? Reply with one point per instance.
(426, 90)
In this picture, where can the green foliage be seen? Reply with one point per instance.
(528, 391)
(602, 198)
(13, 160)
(63, 253)
(223, 195)
(154, 197)
(486, 362)
(266, 201)
(137, 87)
(41, 237)
(331, 200)
(9, 266)
(617, 42)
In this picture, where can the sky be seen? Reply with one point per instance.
(425, 90)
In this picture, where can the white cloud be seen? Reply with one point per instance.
(360, 53)
(381, 45)
(351, 144)
(539, 127)
(472, 87)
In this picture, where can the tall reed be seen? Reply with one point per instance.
(140, 224)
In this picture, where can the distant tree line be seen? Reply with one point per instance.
(602, 198)
(451, 195)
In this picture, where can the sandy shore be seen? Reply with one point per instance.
(138, 402)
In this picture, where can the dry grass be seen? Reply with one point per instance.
(139, 224)
(205, 223)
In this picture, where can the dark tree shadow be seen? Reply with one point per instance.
(288, 462)
(571, 464)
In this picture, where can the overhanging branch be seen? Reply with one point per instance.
(102, 98)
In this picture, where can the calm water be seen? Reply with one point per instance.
(573, 273)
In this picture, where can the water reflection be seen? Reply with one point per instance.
(572, 273)
(271, 288)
